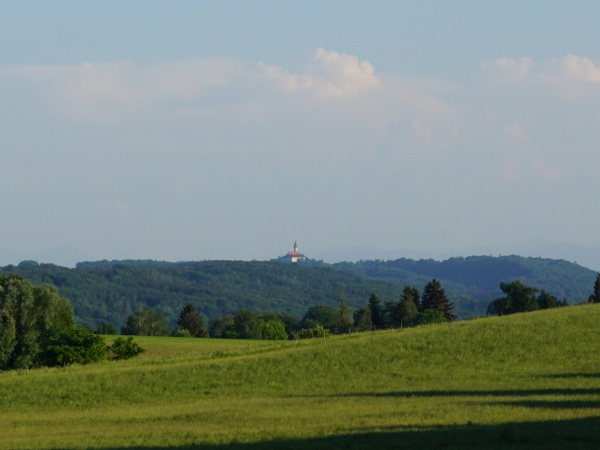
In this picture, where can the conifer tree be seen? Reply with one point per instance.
(434, 297)
(376, 312)
(190, 320)
(595, 297)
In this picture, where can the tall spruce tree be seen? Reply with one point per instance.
(595, 297)
(434, 297)
(376, 312)
(190, 320)
(392, 316)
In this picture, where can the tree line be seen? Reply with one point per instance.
(411, 309)
(519, 297)
(37, 328)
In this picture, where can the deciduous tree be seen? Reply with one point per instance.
(146, 323)
(518, 298)
(274, 330)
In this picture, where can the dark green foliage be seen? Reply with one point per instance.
(146, 323)
(472, 282)
(30, 317)
(37, 328)
(362, 319)
(376, 312)
(392, 315)
(76, 345)
(190, 320)
(107, 328)
(546, 301)
(110, 291)
(434, 297)
(595, 297)
(247, 325)
(124, 348)
(319, 315)
(518, 298)
(222, 327)
(430, 316)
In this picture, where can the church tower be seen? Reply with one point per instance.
(295, 255)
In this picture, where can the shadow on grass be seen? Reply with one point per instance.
(465, 393)
(572, 375)
(550, 435)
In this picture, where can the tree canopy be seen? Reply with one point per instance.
(37, 328)
(434, 297)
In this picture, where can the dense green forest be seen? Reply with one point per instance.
(110, 291)
(479, 277)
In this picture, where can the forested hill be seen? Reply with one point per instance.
(479, 277)
(112, 290)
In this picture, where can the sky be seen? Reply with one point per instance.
(201, 130)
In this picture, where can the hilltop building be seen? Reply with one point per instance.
(295, 255)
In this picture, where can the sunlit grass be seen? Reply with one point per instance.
(537, 369)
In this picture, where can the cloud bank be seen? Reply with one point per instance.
(193, 148)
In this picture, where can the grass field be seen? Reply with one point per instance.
(528, 381)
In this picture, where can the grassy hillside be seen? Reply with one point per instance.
(527, 381)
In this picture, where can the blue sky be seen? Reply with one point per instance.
(227, 130)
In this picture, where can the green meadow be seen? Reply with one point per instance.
(527, 381)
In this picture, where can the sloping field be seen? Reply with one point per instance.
(529, 381)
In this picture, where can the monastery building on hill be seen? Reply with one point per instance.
(295, 255)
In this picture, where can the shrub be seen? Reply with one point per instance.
(430, 316)
(317, 332)
(78, 345)
(181, 332)
(274, 330)
(124, 348)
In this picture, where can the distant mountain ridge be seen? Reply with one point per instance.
(111, 290)
(479, 277)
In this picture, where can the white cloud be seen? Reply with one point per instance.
(544, 170)
(516, 133)
(332, 74)
(85, 89)
(580, 68)
(516, 69)
(423, 131)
